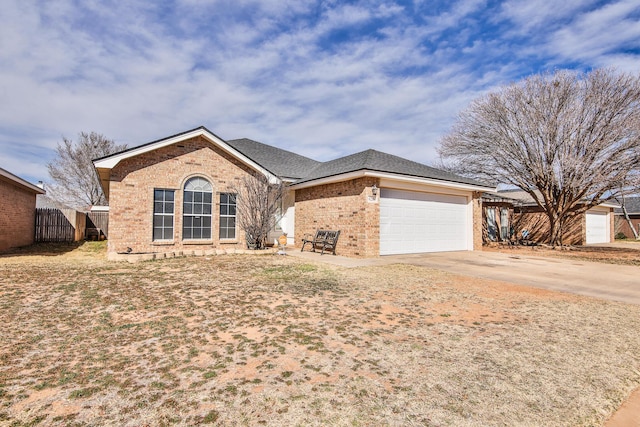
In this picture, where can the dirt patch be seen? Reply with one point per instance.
(243, 340)
(629, 413)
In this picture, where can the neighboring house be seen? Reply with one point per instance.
(594, 226)
(17, 211)
(632, 205)
(173, 194)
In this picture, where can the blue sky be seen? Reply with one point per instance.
(322, 79)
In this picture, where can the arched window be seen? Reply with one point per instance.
(196, 219)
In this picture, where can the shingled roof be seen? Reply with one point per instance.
(372, 160)
(282, 163)
(632, 204)
(290, 166)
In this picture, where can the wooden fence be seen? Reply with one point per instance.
(52, 225)
(99, 220)
(68, 225)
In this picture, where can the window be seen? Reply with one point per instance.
(163, 214)
(196, 213)
(227, 216)
(492, 230)
(504, 224)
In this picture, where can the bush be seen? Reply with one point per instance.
(620, 235)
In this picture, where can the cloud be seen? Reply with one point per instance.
(588, 33)
(596, 34)
(323, 79)
(529, 16)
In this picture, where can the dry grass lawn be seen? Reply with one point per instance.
(271, 340)
(627, 252)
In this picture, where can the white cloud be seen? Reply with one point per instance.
(528, 16)
(599, 32)
(283, 73)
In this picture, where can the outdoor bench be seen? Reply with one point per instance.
(323, 240)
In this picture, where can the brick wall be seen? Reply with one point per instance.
(343, 206)
(622, 226)
(17, 215)
(612, 226)
(477, 220)
(575, 232)
(537, 223)
(131, 194)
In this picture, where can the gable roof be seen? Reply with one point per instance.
(7, 176)
(103, 165)
(276, 163)
(632, 204)
(282, 163)
(377, 161)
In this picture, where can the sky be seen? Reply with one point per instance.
(320, 78)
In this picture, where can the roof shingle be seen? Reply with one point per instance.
(632, 204)
(279, 162)
(377, 161)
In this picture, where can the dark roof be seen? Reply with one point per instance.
(377, 161)
(632, 204)
(279, 162)
(288, 165)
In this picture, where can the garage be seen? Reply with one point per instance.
(415, 222)
(597, 227)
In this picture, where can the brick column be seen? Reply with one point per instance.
(477, 220)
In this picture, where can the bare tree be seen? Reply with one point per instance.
(258, 203)
(75, 181)
(569, 140)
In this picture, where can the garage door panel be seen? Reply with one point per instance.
(597, 227)
(412, 222)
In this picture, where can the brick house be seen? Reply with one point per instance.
(594, 226)
(173, 194)
(17, 211)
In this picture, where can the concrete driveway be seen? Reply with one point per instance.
(607, 281)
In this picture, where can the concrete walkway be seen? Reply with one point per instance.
(608, 281)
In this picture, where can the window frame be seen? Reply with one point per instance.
(194, 206)
(224, 214)
(164, 214)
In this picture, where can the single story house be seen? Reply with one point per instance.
(632, 205)
(596, 225)
(17, 211)
(173, 194)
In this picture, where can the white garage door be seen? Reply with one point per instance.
(412, 222)
(597, 227)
